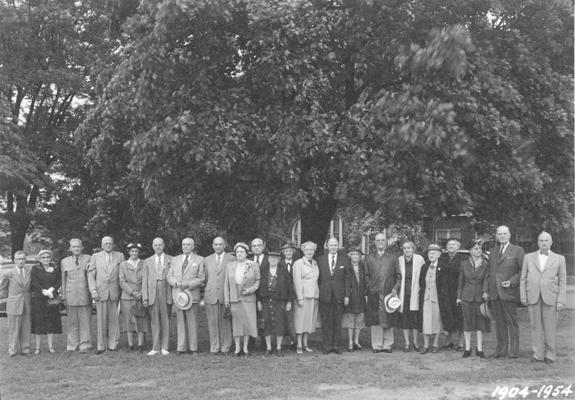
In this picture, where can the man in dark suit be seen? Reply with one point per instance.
(333, 268)
(502, 290)
(261, 259)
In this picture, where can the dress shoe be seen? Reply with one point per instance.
(131, 348)
(99, 351)
(299, 350)
(268, 353)
(238, 354)
(466, 353)
(388, 351)
(424, 350)
(336, 351)
(112, 349)
(247, 354)
(279, 353)
(165, 352)
(498, 355)
(479, 354)
(377, 351)
(407, 349)
(447, 346)
(434, 349)
(535, 360)
(180, 353)
(153, 353)
(308, 349)
(12, 355)
(350, 349)
(548, 361)
(417, 348)
(460, 348)
(51, 350)
(357, 346)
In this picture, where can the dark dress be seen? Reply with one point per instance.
(448, 269)
(472, 280)
(408, 319)
(274, 292)
(44, 319)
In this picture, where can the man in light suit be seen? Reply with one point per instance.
(220, 328)
(104, 284)
(333, 269)
(502, 290)
(187, 272)
(156, 294)
(543, 290)
(76, 293)
(16, 287)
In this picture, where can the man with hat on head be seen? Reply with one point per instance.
(156, 294)
(76, 293)
(220, 328)
(186, 276)
(104, 284)
(288, 252)
(382, 278)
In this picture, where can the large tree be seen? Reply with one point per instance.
(236, 113)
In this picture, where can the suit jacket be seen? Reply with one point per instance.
(505, 268)
(550, 284)
(17, 289)
(215, 275)
(75, 280)
(193, 278)
(105, 282)
(355, 289)
(289, 270)
(332, 285)
(305, 276)
(250, 282)
(150, 278)
(131, 279)
(382, 276)
(417, 263)
(471, 281)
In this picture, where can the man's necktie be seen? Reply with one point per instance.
(332, 264)
(185, 265)
(258, 261)
(289, 266)
(501, 248)
(159, 266)
(77, 262)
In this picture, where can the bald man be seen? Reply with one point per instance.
(104, 284)
(76, 293)
(543, 288)
(187, 272)
(156, 294)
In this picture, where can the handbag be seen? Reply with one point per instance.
(55, 302)
(227, 313)
(139, 310)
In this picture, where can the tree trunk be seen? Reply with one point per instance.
(315, 219)
(19, 217)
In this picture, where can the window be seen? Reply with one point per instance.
(441, 235)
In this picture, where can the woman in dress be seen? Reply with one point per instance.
(274, 301)
(428, 299)
(131, 284)
(469, 295)
(355, 290)
(410, 266)
(305, 275)
(241, 282)
(45, 281)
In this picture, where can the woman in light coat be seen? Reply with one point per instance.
(410, 266)
(305, 276)
(241, 282)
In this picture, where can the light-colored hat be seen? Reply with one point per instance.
(392, 303)
(184, 299)
(433, 246)
(485, 310)
(44, 251)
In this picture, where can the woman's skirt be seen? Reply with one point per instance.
(131, 323)
(431, 318)
(244, 319)
(353, 321)
(408, 319)
(305, 317)
(473, 320)
(274, 317)
(44, 319)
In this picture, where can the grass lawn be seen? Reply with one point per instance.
(358, 375)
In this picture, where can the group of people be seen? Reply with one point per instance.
(269, 295)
